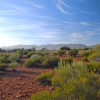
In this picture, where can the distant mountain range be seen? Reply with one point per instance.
(48, 46)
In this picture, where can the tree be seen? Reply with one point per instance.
(64, 48)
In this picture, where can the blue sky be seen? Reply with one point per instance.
(40, 22)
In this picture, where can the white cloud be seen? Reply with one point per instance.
(34, 5)
(58, 5)
(63, 3)
(84, 23)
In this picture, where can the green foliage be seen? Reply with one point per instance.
(85, 58)
(85, 54)
(43, 53)
(96, 47)
(93, 66)
(25, 52)
(14, 57)
(74, 82)
(31, 62)
(30, 54)
(65, 48)
(41, 96)
(4, 58)
(50, 62)
(61, 52)
(73, 52)
(34, 56)
(55, 53)
(45, 77)
(95, 56)
(13, 65)
(3, 66)
(68, 60)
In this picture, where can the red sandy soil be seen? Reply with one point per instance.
(21, 84)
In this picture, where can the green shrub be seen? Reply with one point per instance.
(93, 66)
(64, 48)
(25, 52)
(45, 77)
(4, 59)
(34, 56)
(50, 62)
(31, 62)
(30, 54)
(85, 54)
(85, 58)
(74, 82)
(14, 57)
(3, 66)
(61, 52)
(73, 52)
(68, 60)
(95, 56)
(41, 96)
(13, 65)
(55, 53)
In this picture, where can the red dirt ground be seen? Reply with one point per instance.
(21, 84)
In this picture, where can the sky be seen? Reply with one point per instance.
(40, 22)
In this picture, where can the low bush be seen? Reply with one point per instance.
(55, 53)
(30, 54)
(34, 56)
(13, 65)
(41, 96)
(93, 67)
(4, 59)
(72, 82)
(3, 66)
(14, 57)
(85, 54)
(95, 56)
(50, 62)
(31, 62)
(68, 60)
(85, 58)
(61, 52)
(73, 52)
(45, 77)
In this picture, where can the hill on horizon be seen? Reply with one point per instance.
(48, 46)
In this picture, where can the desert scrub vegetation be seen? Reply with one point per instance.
(41, 96)
(14, 57)
(3, 66)
(30, 54)
(72, 82)
(73, 52)
(94, 56)
(50, 62)
(45, 77)
(61, 52)
(13, 65)
(85, 54)
(31, 62)
(64, 48)
(68, 60)
(93, 67)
